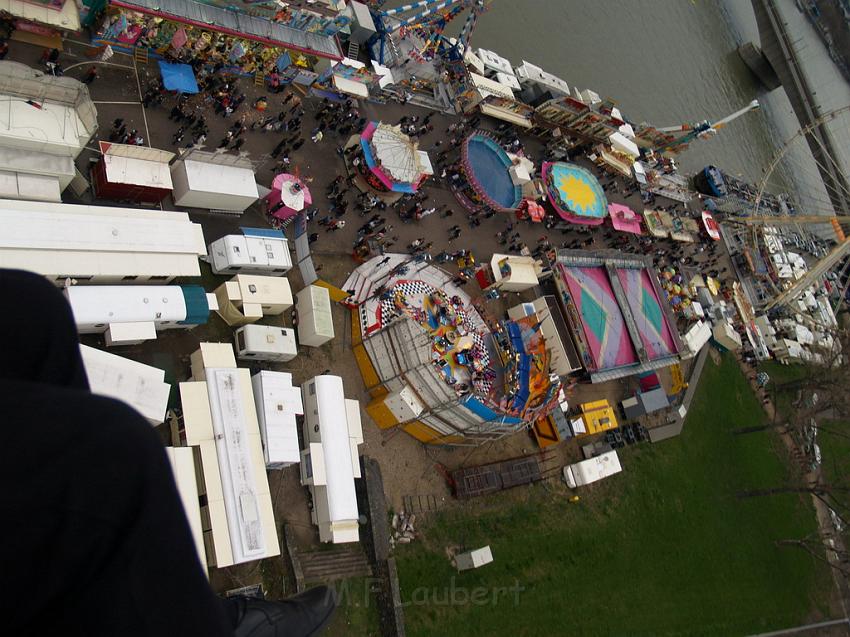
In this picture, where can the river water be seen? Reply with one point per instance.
(672, 61)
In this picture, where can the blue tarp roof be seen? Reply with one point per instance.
(178, 77)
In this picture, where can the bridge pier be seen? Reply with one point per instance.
(760, 66)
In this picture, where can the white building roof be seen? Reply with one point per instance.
(278, 402)
(56, 238)
(226, 180)
(209, 182)
(697, 335)
(251, 251)
(259, 290)
(220, 417)
(21, 162)
(126, 303)
(528, 73)
(20, 185)
(51, 128)
(495, 62)
(141, 386)
(508, 79)
(470, 59)
(623, 144)
(336, 447)
(486, 87)
(522, 271)
(350, 87)
(137, 172)
(182, 460)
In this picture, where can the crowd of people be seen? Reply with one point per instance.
(295, 120)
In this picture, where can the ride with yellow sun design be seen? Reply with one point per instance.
(578, 194)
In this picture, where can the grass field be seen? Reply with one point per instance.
(664, 548)
(357, 613)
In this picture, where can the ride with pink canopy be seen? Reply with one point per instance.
(289, 196)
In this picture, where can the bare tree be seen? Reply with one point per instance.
(822, 548)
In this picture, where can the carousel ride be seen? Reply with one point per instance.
(289, 196)
(391, 160)
(505, 369)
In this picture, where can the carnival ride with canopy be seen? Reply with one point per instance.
(392, 159)
(575, 193)
(425, 21)
(486, 168)
(499, 373)
(822, 188)
(289, 196)
(700, 130)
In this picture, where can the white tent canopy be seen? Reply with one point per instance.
(292, 196)
(623, 144)
(350, 87)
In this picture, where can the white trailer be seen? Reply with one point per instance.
(255, 251)
(130, 314)
(278, 402)
(591, 470)
(265, 343)
(141, 386)
(247, 298)
(214, 182)
(330, 463)
(99, 244)
(315, 321)
(219, 417)
(182, 461)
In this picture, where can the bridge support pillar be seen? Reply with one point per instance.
(760, 66)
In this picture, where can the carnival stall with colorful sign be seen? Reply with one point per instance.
(201, 34)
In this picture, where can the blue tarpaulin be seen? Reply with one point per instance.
(178, 77)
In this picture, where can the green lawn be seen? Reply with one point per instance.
(835, 451)
(835, 460)
(779, 375)
(357, 613)
(664, 548)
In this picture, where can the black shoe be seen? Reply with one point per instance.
(302, 615)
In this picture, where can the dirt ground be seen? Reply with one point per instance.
(409, 467)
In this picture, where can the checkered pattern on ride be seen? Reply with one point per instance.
(387, 309)
(479, 351)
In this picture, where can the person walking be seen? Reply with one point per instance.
(335, 225)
